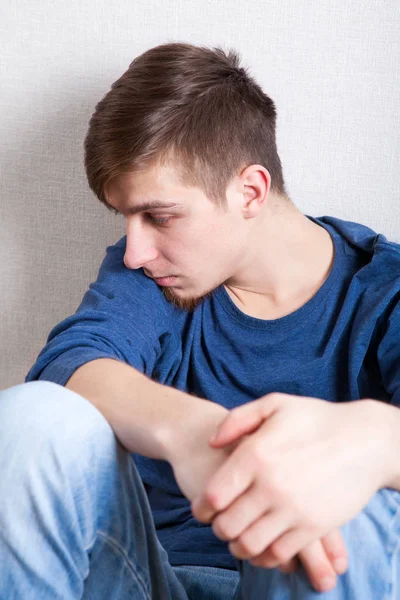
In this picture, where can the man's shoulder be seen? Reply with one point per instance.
(362, 239)
(374, 264)
(359, 234)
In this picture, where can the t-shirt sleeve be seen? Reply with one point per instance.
(123, 315)
(389, 354)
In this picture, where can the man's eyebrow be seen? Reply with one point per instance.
(133, 210)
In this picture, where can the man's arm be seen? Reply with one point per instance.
(147, 417)
(158, 421)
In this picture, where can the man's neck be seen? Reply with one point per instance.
(295, 263)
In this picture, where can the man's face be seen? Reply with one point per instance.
(198, 244)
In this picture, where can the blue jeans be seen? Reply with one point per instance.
(75, 521)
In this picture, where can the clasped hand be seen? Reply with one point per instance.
(304, 467)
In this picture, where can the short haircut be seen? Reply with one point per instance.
(190, 107)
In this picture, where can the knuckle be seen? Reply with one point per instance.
(247, 547)
(280, 553)
(222, 529)
(212, 499)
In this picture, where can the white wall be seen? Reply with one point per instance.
(332, 69)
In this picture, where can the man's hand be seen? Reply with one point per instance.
(305, 467)
(322, 560)
(194, 462)
(187, 450)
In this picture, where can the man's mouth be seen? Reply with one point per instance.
(169, 280)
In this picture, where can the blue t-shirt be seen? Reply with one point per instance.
(343, 344)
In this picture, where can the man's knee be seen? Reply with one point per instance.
(43, 413)
(372, 542)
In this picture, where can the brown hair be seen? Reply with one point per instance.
(190, 107)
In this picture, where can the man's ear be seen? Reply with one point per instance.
(255, 183)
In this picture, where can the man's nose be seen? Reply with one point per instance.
(139, 249)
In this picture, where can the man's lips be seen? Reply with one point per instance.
(163, 280)
(158, 276)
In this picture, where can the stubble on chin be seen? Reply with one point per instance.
(188, 304)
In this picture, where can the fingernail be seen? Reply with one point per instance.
(326, 584)
(340, 564)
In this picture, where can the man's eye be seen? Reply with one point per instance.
(158, 221)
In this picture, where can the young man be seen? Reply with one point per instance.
(224, 308)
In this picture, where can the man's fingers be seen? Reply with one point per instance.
(321, 560)
(318, 566)
(335, 550)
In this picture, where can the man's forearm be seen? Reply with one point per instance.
(147, 417)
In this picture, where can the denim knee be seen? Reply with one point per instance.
(54, 447)
(372, 540)
(42, 410)
(47, 428)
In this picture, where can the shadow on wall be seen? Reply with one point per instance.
(53, 230)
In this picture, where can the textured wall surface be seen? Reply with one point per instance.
(332, 69)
